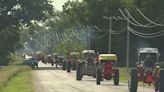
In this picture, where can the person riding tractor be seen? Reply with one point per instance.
(147, 70)
(148, 62)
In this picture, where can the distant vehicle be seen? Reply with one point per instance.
(31, 62)
(40, 56)
(59, 60)
(147, 70)
(49, 59)
(75, 58)
(86, 66)
(106, 68)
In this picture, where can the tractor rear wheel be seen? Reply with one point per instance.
(116, 77)
(133, 81)
(63, 65)
(78, 72)
(99, 77)
(52, 64)
(74, 66)
(68, 69)
(161, 81)
(68, 66)
(56, 65)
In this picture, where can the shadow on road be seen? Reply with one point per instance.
(112, 85)
(89, 80)
(48, 68)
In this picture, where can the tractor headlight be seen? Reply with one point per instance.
(157, 66)
(141, 65)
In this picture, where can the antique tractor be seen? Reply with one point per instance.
(40, 56)
(144, 73)
(59, 61)
(86, 66)
(49, 59)
(106, 68)
(74, 57)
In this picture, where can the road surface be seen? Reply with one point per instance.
(51, 79)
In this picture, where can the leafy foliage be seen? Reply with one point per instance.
(15, 15)
(91, 12)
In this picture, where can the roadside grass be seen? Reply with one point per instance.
(16, 78)
(123, 75)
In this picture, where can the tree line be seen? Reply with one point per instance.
(77, 16)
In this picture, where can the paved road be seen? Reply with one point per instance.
(51, 79)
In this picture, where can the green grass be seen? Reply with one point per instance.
(123, 75)
(16, 78)
(21, 82)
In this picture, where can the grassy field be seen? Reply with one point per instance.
(16, 79)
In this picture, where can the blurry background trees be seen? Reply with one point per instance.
(70, 30)
(15, 15)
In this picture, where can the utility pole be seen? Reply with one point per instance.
(127, 46)
(89, 40)
(110, 32)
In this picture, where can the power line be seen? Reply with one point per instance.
(119, 31)
(143, 36)
(139, 25)
(152, 22)
(148, 34)
(113, 31)
(143, 25)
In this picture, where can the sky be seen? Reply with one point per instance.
(58, 4)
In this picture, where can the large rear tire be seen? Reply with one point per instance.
(116, 77)
(133, 81)
(161, 81)
(78, 72)
(99, 76)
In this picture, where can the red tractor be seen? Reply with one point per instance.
(147, 70)
(107, 68)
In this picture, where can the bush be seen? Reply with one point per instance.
(15, 59)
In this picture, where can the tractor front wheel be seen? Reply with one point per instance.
(68, 68)
(161, 81)
(98, 77)
(78, 72)
(63, 65)
(73, 66)
(133, 81)
(116, 77)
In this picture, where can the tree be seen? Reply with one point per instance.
(91, 12)
(17, 14)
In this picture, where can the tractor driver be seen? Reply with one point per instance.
(90, 59)
(148, 62)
